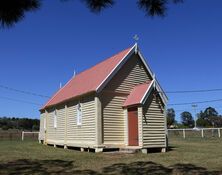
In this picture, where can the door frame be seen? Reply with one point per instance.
(128, 126)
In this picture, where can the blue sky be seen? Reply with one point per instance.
(183, 49)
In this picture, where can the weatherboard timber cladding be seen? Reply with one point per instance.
(46, 133)
(42, 129)
(51, 131)
(66, 112)
(98, 122)
(131, 74)
(60, 129)
(85, 133)
(67, 132)
(153, 123)
(56, 135)
(113, 119)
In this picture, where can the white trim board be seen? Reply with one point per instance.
(147, 93)
(134, 49)
(116, 69)
(158, 87)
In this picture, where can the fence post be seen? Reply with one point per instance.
(202, 133)
(22, 135)
(219, 132)
(184, 134)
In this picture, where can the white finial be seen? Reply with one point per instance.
(154, 80)
(60, 85)
(136, 38)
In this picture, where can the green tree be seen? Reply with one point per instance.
(216, 121)
(12, 11)
(209, 118)
(19, 123)
(170, 117)
(201, 122)
(210, 111)
(187, 119)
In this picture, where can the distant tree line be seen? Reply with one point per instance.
(205, 119)
(19, 123)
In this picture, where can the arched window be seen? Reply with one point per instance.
(44, 123)
(55, 118)
(79, 114)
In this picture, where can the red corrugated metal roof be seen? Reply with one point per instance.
(137, 94)
(88, 80)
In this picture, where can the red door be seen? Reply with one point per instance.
(133, 127)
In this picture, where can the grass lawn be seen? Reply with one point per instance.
(190, 156)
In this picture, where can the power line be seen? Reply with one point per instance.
(168, 92)
(191, 91)
(198, 109)
(18, 100)
(23, 92)
(197, 102)
(172, 92)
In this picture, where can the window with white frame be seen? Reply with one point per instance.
(55, 118)
(44, 123)
(79, 114)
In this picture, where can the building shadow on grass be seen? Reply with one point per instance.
(171, 148)
(25, 166)
(28, 167)
(143, 168)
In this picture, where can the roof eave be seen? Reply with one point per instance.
(147, 93)
(67, 100)
(132, 105)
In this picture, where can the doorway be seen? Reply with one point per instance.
(133, 138)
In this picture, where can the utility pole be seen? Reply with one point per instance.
(195, 115)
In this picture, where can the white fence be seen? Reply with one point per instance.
(29, 135)
(195, 132)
